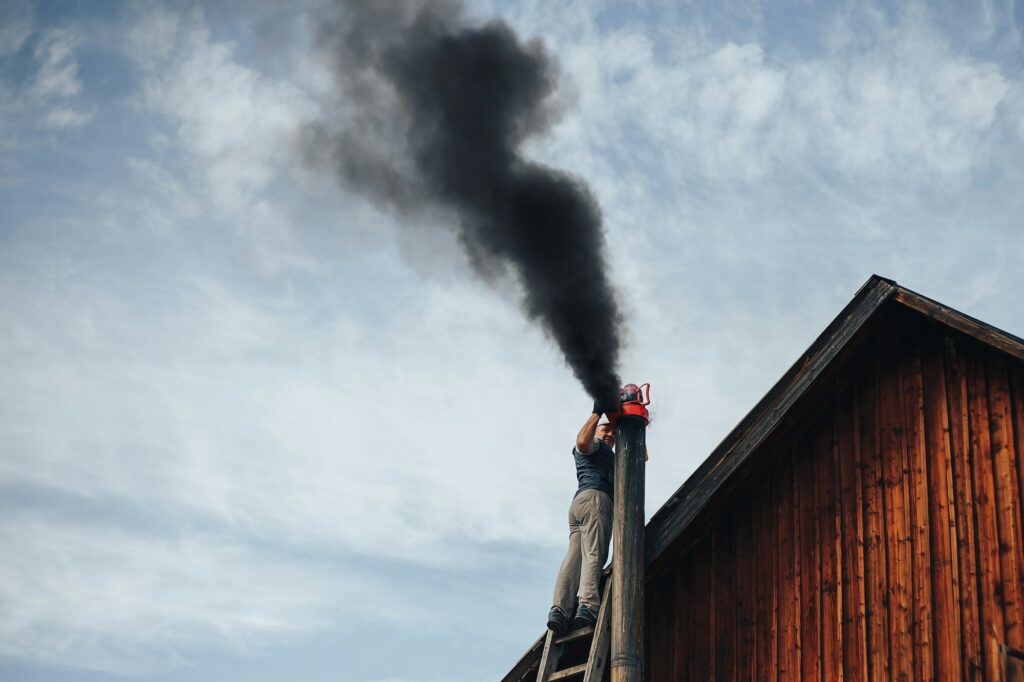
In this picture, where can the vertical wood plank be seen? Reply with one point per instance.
(920, 526)
(847, 444)
(897, 517)
(875, 561)
(704, 616)
(766, 561)
(724, 592)
(944, 569)
(830, 537)
(652, 593)
(809, 564)
(1016, 380)
(1017, 409)
(989, 568)
(1007, 499)
(683, 618)
(963, 487)
(788, 656)
(658, 633)
(745, 578)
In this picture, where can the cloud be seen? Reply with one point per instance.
(214, 443)
(106, 598)
(232, 123)
(58, 70)
(60, 117)
(911, 109)
(52, 98)
(194, 385)
(16, 25)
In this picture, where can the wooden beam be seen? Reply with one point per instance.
(765, 564)
(912, 386)
(600, 645)
(986, 333)
(963, 491)
(1004, 461)
(848, 454)
(984, 506)
(875, 573)
(897, 517)
(529, 661)
(944, 558)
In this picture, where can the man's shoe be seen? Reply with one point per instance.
(558, 622)
(584, 617)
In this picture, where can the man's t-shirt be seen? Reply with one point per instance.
(595, 471)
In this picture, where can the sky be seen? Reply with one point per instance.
(254, 427)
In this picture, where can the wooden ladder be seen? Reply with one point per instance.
(567, 650)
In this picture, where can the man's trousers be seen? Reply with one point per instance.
(590, 527)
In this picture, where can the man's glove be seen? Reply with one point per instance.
(597, 408)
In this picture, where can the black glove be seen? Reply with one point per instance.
(597, 408)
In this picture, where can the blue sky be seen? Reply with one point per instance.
(251, 427)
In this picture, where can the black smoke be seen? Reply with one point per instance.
(434, 112)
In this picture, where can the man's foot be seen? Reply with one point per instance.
(558, 622)
(584, 617)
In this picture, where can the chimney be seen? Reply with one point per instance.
(627, 654)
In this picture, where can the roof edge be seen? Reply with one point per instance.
(995, 337)
(762, 420)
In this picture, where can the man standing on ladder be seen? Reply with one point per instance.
(590, 527)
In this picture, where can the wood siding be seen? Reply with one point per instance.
(881, 539)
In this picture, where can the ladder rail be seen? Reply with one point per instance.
(600, 645)
(550, 658)
(598, 651)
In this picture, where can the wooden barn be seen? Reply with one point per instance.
(862, 522)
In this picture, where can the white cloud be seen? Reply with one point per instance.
(16, 25)
(109, 599)
(274, 434)
(194, 377)
(52, 98)
(232, 122)
(58, 69)
(911, 108)
(64, 117)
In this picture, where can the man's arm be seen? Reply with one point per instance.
(585, 438)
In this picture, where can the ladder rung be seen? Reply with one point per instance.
(568, 672)
(575, 634)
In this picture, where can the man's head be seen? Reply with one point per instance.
(606, 433)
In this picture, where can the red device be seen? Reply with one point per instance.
(633, 402)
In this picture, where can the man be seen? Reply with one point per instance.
(590, 527)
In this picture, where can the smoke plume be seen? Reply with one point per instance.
(434, 115)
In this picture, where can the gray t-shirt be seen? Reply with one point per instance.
(595, 471)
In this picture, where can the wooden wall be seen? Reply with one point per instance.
(879, 540)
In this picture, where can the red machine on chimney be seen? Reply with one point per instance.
(633, 402)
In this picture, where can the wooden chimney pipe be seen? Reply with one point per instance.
(627, 654)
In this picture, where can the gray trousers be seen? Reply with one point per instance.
(590, 527)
